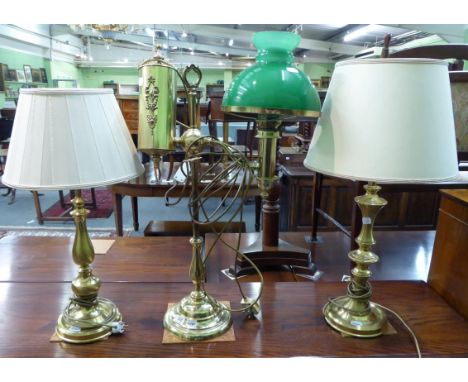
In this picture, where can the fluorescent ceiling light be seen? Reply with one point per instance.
(359, 32)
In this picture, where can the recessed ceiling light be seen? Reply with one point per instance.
(227, 54)
(231, 42)
(304, 55)
(192, 52)
(184, 34)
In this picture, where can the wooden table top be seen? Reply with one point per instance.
(142, 186)
(145, 259)
(134, 259)
(291, 324)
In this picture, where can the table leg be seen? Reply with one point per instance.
(118, 213)
(37, 206)
(136, 225)
(226, 132)
(316, 198)
(258, 210)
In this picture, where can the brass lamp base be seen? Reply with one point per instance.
(83, 324)
(197, 317)
(347, 316)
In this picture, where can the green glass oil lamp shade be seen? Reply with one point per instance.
(273, 85)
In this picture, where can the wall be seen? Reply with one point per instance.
(65, 70)
(316, 70)
(94, 77)
(16, 60)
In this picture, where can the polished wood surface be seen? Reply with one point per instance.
(185, 228)
(448, 273)
(403, 255)
(129, 107)
(141, 187)
(135, 259)
(291, 324)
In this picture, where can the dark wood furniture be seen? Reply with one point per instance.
(38, 259)
(410, 206)
(184, 228)
(66, 206)
(129, 107)
(215, 115)
(448, 274)
(291, 323)
(140, 187)
(291, 317)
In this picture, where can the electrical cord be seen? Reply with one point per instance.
(364, 292)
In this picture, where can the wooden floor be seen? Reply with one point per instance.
(404, 255)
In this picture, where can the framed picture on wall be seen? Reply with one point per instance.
(20, 75)
(36, 75)
(4, 72)
(27, 73)
(12, 75)
(43, 75)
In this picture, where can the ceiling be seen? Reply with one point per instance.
(231, 44)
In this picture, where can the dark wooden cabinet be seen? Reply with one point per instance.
(129, 107)
(404, 211)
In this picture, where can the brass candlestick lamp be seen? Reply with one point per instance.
(84, 142)
(379, 124)
(197, 316)
(273, 91)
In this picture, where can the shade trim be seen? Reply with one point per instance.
(52, 91)
(457, 177)
(260, 110)
(418, 61)
(75, 186)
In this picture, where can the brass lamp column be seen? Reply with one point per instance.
(88, 317)
(354, 314)
(379, 125)
(84, 143)
(197, 316)
(271, 91)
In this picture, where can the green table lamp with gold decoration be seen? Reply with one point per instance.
(383, 121)
(74, 139)
(272, 91)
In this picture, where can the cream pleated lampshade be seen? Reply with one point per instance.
(386, 120)
(69, 139)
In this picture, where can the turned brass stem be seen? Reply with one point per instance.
(354, 314)
(85, 285)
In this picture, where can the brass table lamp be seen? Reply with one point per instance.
(383, 121)
(197, 316)
(271, 91)
(74, 139)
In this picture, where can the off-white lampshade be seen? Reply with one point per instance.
(69, 139)
(386, 120)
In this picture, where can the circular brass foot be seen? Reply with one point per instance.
(81, 324)
(348, 316)
(197, 317)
